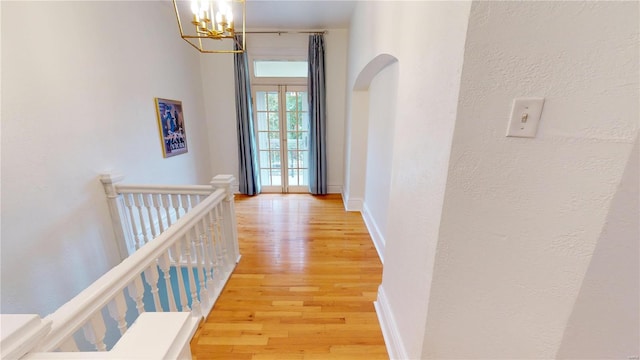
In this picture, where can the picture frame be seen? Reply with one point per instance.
(173, 134)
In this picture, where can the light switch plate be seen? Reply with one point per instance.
(525, 116)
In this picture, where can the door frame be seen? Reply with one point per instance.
(281, 89)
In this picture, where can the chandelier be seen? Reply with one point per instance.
(211, 24)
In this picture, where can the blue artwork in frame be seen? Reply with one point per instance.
(172, 128)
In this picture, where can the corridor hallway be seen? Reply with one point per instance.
(304, 288)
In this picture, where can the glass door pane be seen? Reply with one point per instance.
(297, 129)
(282, 126)
(267, 112)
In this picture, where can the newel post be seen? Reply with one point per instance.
(229, 212)
(118, 217)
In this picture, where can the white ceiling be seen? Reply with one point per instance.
(298, 14)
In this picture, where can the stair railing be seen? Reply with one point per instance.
(184, 268)
(139, 213)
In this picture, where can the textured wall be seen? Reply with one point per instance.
(523, 218)
(429, 56)
(382, 109)
(605, 320)
(76, 103)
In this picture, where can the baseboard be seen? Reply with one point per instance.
(352, 204)
(374, 231)
(334, 189)
(390, 332)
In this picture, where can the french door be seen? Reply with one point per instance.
(282, 126)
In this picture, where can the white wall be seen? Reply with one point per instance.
(382, 109)
(78, 99)
(220, 99)
(605, 319)
(220, 104)
(429, 56)
(524, 218)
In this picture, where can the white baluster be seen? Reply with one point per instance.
(118, 311)
(206, 247)
(181, 280)
(165, 266)
(151, 276)
(165, 204)
(195, 303)
(226, 262)
(145, 234)
(148, 203)
(69, 345)
(217, 248)
(136, 292)
(194, 200)
(202, 273)
(94, 331)
(157, 203)
(184, 203)
(175, 201)
(129, 204)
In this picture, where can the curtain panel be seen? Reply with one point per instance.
(317, 117)
(249, 172)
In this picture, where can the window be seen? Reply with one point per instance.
(280, 69)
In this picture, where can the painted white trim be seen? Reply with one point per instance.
(157, 335)
(390, 332)
(20, 333)
(334, 189)
(352, 204)
(374, 231)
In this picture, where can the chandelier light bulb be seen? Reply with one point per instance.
(212, 20)
(204, 7)
(194, 10)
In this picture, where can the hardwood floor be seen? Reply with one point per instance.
(304, 288)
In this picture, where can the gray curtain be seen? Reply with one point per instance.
(317, 117)
(249, 171)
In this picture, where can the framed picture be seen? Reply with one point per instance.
(172, 128)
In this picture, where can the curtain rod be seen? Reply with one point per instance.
(286, 32)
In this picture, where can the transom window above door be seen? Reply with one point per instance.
(280, 69)
(270, 71)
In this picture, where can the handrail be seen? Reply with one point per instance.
(165, 189)
(74, 314)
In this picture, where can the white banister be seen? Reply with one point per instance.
(193, 242)
(130, 207)
(230, 227)
(153, 336)
(119, 221)
(165, 189)
(20, 333)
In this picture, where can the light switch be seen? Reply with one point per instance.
(525, 116)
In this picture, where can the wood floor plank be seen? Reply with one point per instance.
(304, 288)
